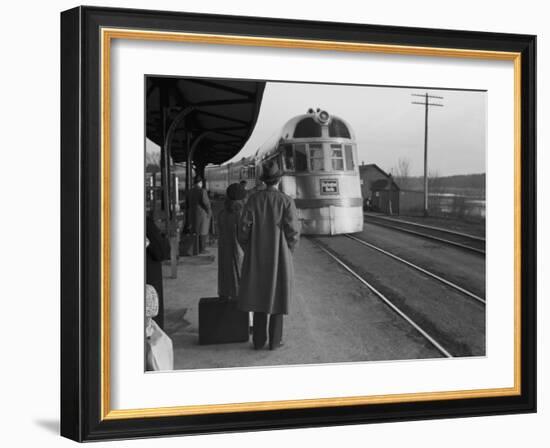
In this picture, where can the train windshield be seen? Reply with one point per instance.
(337, 128)
(301, 159)
(316, 157)
(307, 128)
(289, 158)
(337, 157)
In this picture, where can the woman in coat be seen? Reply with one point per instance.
(268, 232)
(230, 253)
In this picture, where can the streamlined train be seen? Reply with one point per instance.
(318, 154)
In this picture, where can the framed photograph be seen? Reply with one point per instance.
(276, 224)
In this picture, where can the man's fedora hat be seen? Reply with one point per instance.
(270, 171)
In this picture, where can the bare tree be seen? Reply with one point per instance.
(402, 172)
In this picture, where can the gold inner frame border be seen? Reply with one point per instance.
(107, 35)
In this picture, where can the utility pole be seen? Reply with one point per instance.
(426, 105)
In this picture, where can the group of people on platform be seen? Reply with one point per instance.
(158, 347)
(257, 232)
(256, 241)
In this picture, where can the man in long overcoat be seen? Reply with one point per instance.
(199, 213)
(268, 232)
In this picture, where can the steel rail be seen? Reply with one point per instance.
(430, 237)
(420, 269)
(438, 229)
(388, 302)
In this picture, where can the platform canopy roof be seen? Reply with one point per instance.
(225, 111)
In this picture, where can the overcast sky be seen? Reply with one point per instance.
(386, 125)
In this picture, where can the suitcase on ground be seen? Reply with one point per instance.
(221, 322)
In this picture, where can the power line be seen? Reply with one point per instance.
(426, 103)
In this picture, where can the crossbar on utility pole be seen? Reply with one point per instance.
(426, 105)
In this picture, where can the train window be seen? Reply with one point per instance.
(349, 158)
(301, 159)
(316, 157)
(288, 157)
(337, 128)
(307, 127)
(337, 157)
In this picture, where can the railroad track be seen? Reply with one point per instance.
(385, 299)
(425, 324)
(462, 240)
(419, 269)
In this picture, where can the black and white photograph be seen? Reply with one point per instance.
(277, 224)
(291, 223)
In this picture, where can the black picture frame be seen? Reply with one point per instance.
(81, 287)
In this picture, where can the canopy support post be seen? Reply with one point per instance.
(171, 224)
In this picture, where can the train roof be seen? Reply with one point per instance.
(309, 126)
(304, 127)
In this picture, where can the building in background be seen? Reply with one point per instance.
(379, 190)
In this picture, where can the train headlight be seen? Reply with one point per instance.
(324, 116)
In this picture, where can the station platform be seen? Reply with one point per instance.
(333, 318)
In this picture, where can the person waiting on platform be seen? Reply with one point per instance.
(230, 253)
(268, 231)
(243, 185)
(199, 213)
(259, 186)
(159, 352)
(157, 250)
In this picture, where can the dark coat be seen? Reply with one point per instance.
(157, 251)
(230, 253)
(199, 211)
(269, 230)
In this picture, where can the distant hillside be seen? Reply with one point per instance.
(466, 184)
(462, 181)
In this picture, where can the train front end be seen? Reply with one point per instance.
(319, 156)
